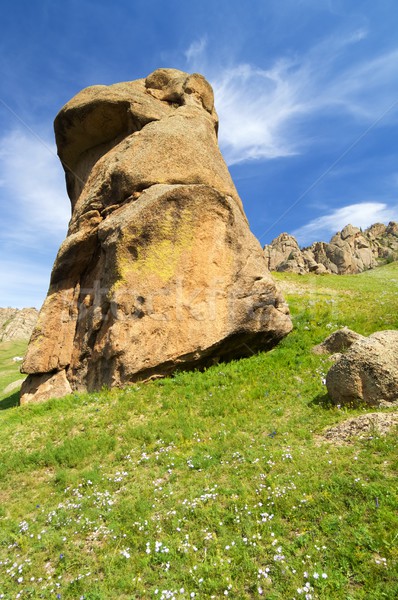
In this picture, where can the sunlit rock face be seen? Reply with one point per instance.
(350, 251)
(159, 270)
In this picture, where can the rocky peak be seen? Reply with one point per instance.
(392, 229)
(285, 248)
(376, 230)
(348, 232)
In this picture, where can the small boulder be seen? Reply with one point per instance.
(45, 386)
(321, 270)
(367, 373)
(376, 230)
(338, 341)
(363, 427)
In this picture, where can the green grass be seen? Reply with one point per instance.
(9, 371)
(213, 483)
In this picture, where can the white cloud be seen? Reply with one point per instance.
(263, 112)
(196, 50)
(361, 215)
(367, 89)
(32, 191)
(35, 214)
(254, 107)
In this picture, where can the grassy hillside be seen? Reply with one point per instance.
(209, 485)
(10, 375)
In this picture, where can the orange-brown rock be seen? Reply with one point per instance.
(159, 270)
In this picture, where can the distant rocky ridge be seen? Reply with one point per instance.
(349, 251)
(17, 324)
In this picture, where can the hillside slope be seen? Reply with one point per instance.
(11, 354)
(17, 324)
(209, 485)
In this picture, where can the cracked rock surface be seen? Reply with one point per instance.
(159, 270)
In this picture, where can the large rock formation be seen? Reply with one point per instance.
(284, 254)
(159, 270)
(349, 251)
(17, 324)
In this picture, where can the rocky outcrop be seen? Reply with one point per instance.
(17, 324)
(350, 251)
(284, 254)
(367, 373)
(159, 270)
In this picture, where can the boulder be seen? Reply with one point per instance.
(45, 386)
(321, 270)
(14, 385)
(373, 424)
(376, 230)
(159, 270)
(338, 341)
(351, 251)
(367, 373)
(349, 231)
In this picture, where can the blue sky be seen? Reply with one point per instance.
(306, 91)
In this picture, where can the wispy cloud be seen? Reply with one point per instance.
(264, 112)
(362, 215)
(366, 88)
(32, 191)
(196, 50)
(35, 214)
(255, 107)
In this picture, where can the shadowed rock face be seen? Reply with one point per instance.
(159, 270)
